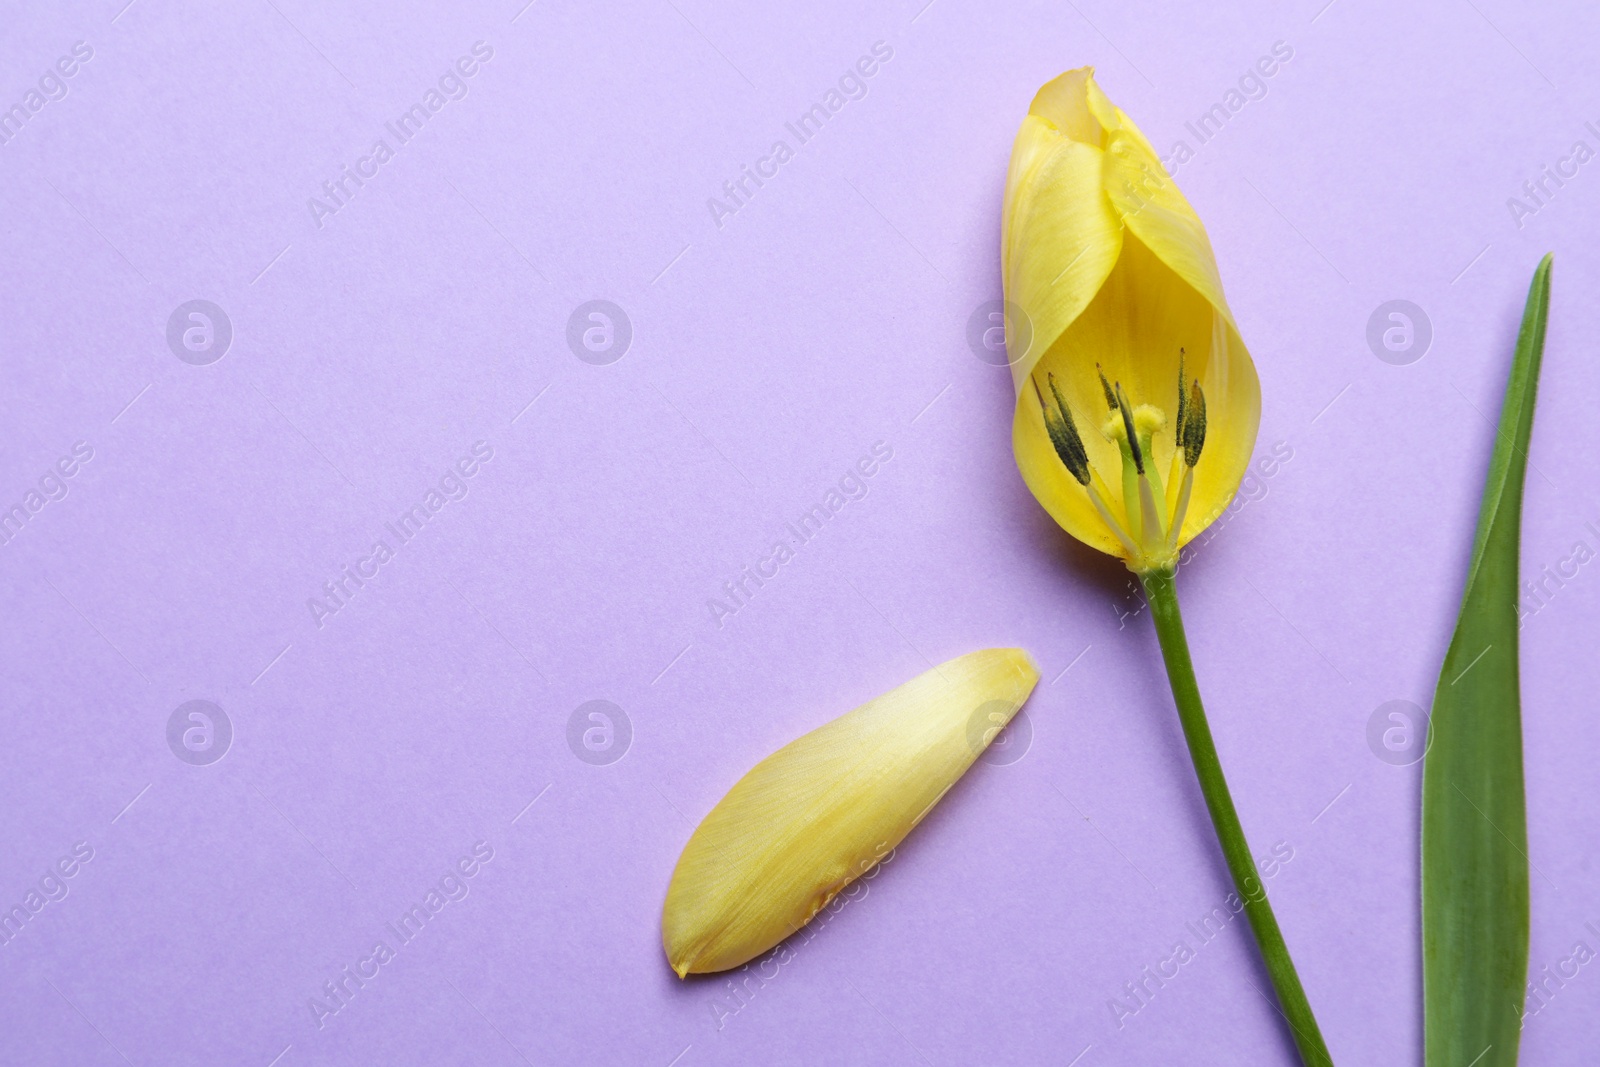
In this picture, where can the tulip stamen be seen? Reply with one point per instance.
(1194, 427)
(1105, 386)
(1063, 432)
(1155, 538)
(1191, 439)
(1116, 431)
(1183, 407)
(1080, 470)
(1175, 470)
(1128, 428)
(1116, 527)
(1181, 509)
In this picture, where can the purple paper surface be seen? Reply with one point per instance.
(399, 348)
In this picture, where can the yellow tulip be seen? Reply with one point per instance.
(821, 811)
(1137, 402)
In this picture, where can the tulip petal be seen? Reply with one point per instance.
(1060, 236)
(821, 811)
(1150, 204)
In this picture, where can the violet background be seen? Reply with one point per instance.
(768, 355)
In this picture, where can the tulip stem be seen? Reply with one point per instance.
(1161, 591)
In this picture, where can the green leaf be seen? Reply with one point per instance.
(1474, 819)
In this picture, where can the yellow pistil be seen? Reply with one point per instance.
(1115, 431)
(1148, 420)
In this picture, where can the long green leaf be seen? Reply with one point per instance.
(1474, 819)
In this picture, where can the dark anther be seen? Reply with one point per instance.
(1183, 402)
(1127, 424)
(1111, 397)
(1063, 432)
(1194, 427)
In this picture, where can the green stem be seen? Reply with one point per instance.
(1161, 591)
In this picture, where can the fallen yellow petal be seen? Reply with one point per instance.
(821, 811)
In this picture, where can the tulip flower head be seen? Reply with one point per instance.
(1137, 401)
